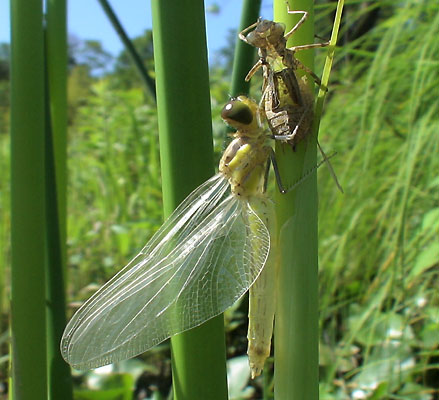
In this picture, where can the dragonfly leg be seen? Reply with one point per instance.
(331, 169)
(261, 109)
(301, 21)
(255, 67)
(287, 138)
(308, 46)
(306, 175)
(260, 115)
(276, 172)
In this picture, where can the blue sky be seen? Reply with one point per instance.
(86, 20)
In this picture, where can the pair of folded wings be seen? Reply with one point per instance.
(203, 258)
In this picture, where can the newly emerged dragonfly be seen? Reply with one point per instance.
(286, 99)
(206, 255)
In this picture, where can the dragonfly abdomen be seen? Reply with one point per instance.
(262, 296)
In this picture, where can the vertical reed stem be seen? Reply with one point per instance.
(183, 103)
(296, 328)
(244, 56)
(60, 385)
(28, 293)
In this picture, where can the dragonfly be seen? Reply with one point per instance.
(285, 98)
(219, 243)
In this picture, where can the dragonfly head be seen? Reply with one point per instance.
(266, 33)
(241, 114)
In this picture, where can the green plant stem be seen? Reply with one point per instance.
(28, 296)
(328, 65)
(60, 385)
(244, 57)
(183, 103)
(137, 60)
(296, 328)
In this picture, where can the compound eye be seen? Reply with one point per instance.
(237, 111)
(278, 29)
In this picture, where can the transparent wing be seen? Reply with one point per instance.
(203, 258)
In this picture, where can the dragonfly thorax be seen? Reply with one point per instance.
(244, 163)
(245, 159)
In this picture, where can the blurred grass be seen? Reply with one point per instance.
(115, 185)
(379, 250)
(382, 118)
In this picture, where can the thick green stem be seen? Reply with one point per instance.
(143, 73)
(28, 304)
(60, 386)
(296, 328)
(183, 102)
(244, 57)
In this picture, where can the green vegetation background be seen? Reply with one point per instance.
(379, 242)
